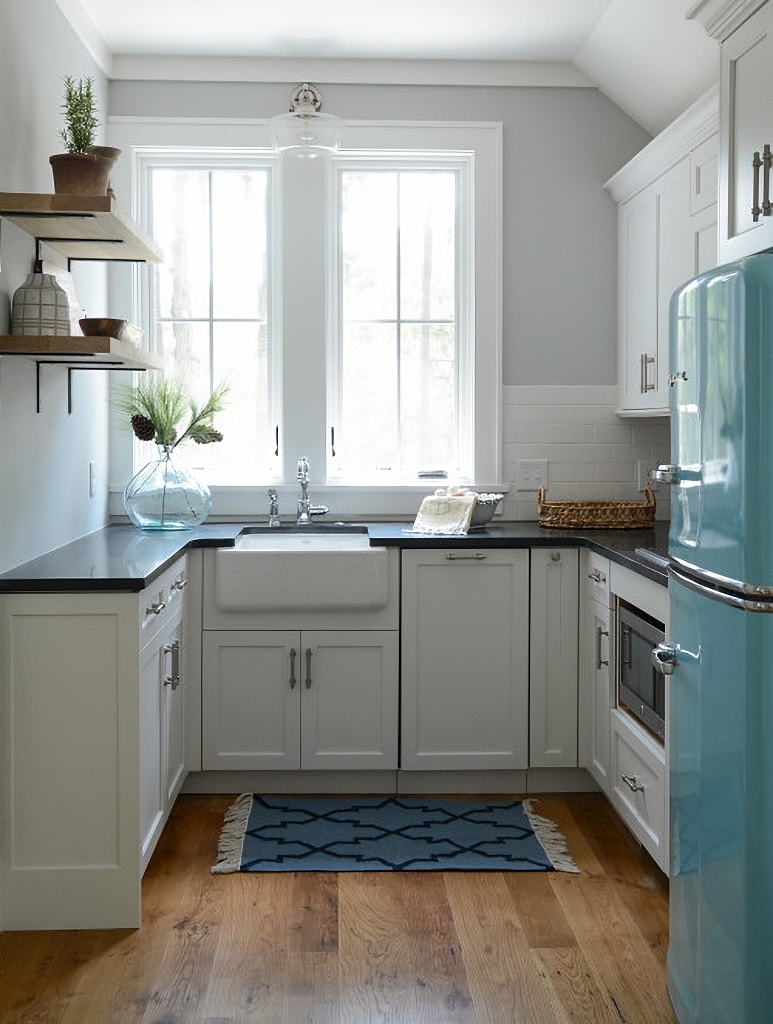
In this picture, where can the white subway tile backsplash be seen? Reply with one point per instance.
(617, 433)
(592, 453)
(616, 472)
(571, 472)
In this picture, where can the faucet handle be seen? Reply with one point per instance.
(273, 510)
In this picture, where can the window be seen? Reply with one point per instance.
(352, 304)
(400, 335)
(211, 300)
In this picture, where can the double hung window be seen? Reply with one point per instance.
(351, 304)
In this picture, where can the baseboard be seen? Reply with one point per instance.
(533, 780)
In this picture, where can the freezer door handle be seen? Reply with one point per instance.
(664, 658)
(667, 474)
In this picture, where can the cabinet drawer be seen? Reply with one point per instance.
(161, 600)
(639, 785)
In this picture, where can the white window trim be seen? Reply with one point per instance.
(133, 135)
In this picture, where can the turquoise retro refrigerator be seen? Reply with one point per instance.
(719, 649)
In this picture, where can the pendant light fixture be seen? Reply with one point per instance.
(305, 131)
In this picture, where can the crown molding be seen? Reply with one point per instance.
(156, 67)
(698, 123)
(721, 18)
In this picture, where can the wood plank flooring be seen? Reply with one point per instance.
(473, 947)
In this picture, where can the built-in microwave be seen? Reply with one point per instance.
(640, 685)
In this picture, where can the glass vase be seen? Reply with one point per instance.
(165, 496)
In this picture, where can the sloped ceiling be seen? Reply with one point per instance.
(645, 55)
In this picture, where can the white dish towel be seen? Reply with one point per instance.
(445, 513)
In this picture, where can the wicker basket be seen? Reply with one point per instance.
(597, 515)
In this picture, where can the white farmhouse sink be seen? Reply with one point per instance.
(281, 570)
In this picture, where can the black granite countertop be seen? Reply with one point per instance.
(122, 558)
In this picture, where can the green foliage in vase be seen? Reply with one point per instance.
(80, 115)
(158, 408)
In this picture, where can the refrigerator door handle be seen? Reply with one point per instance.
(667, 474)
(664, 657)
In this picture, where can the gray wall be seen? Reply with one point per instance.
(560, 230)
(559, 261)
(44, 458)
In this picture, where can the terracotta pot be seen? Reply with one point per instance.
(110, 152)
(83, 174)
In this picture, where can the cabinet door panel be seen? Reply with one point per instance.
(465, 653)
(173, 738)
(595, 647)
(349, 707)
(746, 78)
(553, 658)
(250, 709)
(152, 666)
(638, 307)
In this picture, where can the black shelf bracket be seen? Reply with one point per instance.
(71, 366)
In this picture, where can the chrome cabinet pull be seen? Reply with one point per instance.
(173, 679)
(293, 680)
(156, 608)
(180, 584)
(308, 668)
(632, 782)
(452, 556)
(756, 208)
(597, 577)
(645, 362)
(767, 157)
(599, 633)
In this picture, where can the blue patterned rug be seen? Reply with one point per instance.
(274, 833)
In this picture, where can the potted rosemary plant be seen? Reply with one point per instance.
(164, 495)
(84, 169)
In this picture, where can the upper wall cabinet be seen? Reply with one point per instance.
(745, 31)
(667, 198)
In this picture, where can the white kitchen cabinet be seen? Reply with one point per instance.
(162, 708)
(656, 257)
(553, 658)
(745, 196)
(596, 696)
(292, 699)
(638, 785)
(92, 751)
(667, 234)
(465, 659)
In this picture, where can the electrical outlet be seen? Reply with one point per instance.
(531, 474)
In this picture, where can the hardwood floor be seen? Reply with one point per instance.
(363, 948)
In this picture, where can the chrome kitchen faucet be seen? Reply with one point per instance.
(305, 509)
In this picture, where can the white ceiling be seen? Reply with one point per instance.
(644, 54)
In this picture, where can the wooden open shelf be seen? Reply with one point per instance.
(105, 353)
(80, 227)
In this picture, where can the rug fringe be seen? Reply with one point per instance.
(229, 847)
(552, 839)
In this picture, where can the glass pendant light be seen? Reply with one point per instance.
(305, 131)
